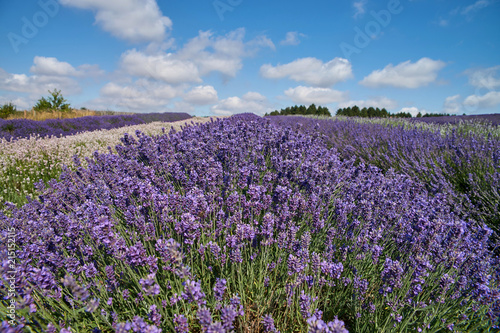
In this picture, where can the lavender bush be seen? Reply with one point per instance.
(240, 225)
(463, 167)
(24, 128)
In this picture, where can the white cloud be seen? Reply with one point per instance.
(480, 4)
(260, 42)
(141, 95)
(37, 85)
(311, 71)
(309, 95)
(48, 73)
(484, 78)
(164, 67)
(222, 54)
(488, 100)
(250, 102)
(405, 74)
(21, 103)
(376, 102)
(452, 104)
(413, 111)
(199, 57)
(359, 7)
(50, 66)
(292, 38)
(131, 20)
(201, 95)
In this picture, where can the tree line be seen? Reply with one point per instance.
(302, 109)
(372, 112)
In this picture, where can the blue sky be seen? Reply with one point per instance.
(221, 57)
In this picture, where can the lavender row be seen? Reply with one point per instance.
(25, 128)
(465, 168)
(238, 225)
(492, 119)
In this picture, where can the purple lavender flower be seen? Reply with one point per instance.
(92, 305)
(227, 316)
(77, 291)
(204, 317)
(268, 323)
(139, 325)
(219, 289)
(305, 303)
(181, 324)
(154, 315)
(192, 292)
(317, 325)
(216, 328)
(392, 274)
(149, 285)
(295, 265)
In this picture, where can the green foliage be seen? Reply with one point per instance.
(7, 110)
(437, 115)
(370, 112)
(54, 102)
(301, 109)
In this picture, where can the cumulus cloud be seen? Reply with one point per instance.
(486, 78)
(50, 66)
(21, 103)
(405, 75)
(250, 102)
(164, 67)
(452, 104)
(311, 71)
(131, 20)
(47, 73)
(489, 100)
(141, 95)
(376, 102)
(201, 95)
(292, 38)
(200, 56)
(309, 95)
(37, 85)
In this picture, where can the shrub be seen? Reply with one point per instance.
(7, 110)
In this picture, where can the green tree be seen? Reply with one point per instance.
(311, 109)
(54, 102)
(7, 110)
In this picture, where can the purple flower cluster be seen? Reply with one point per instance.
(24, 128)
(198, 211)
(464, 168)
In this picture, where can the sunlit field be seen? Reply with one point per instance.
(251, 224)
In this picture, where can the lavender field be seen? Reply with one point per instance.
(250, 224)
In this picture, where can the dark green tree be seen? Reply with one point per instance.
(54, 102)
(7, 109)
